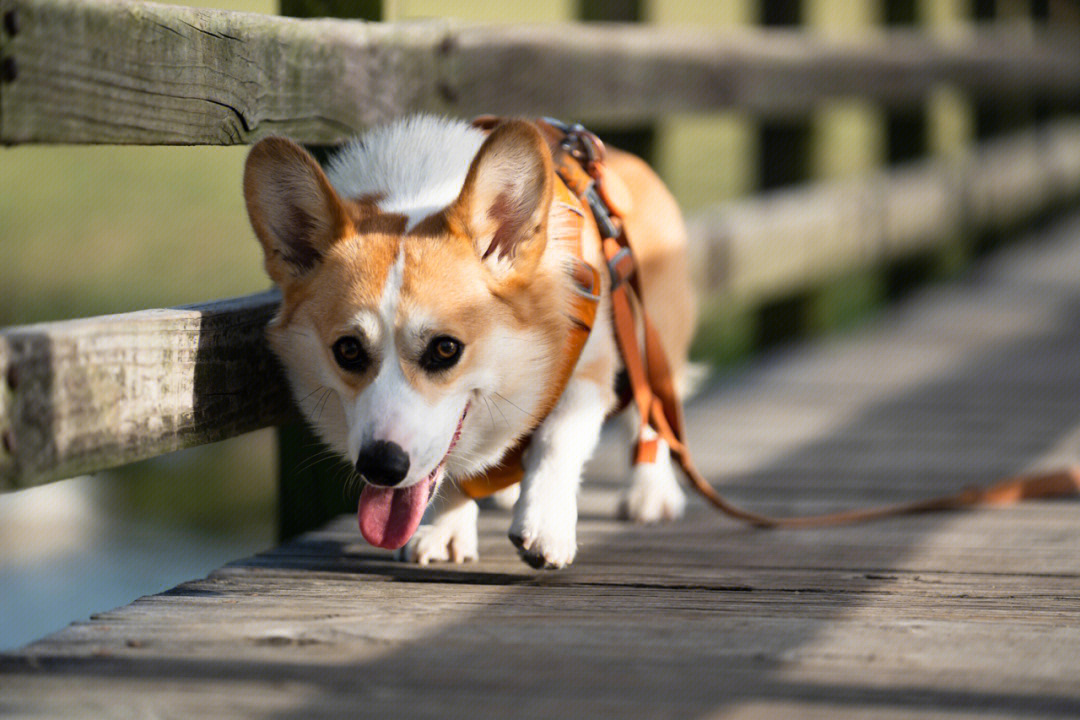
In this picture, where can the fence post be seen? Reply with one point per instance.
(941, 127)
(1000, 114)
(311, 479)
(848, 138)
(907, 138)
(783, 159)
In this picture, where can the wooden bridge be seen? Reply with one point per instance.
(969, 614)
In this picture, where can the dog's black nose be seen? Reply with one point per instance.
(383, 463)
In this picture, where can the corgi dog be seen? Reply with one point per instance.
(424, 288)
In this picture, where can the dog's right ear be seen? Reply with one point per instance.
(294, 211)
(504, 204)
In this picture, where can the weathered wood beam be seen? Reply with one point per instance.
(90, 71)
(84, 395)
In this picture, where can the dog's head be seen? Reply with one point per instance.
(393, 333)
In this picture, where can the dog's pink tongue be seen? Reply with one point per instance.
(388, 517)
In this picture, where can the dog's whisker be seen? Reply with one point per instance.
(441, 489)
(505, 421)
(322, 447)
(470, 457)
(511, 403)
(320, 451)
(350, 489)
(490, 404)
(322, 404)
(321, 387)
(315, 401)
(314, 460)
(487, 404)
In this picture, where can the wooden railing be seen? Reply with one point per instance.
(83, 395)
(86, 71)
(750, 250)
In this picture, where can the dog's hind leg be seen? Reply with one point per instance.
(448, 532)
(654, 494)
(544, 528)
(506, 498)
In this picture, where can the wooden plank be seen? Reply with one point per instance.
(686, 620)
(653, 622)
(87, 394)
(746, 251)
(91, 71)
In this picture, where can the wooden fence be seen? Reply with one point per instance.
(83, 395)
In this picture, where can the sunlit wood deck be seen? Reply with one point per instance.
(959, 615)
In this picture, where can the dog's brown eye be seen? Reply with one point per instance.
(445, 349)
(441, 353)
(349, 354)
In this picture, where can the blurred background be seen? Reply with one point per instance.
(94, 230)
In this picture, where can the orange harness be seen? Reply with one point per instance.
(586, 185)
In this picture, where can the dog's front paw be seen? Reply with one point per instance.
(654, 494)
(546, 541)
(451, 537)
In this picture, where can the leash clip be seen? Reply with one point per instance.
(588, 150)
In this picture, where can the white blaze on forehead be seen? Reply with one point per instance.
(391, 294)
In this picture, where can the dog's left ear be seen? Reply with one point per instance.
(506, 198)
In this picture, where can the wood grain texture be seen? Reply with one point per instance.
(83, 395)
(966, 615)
(101, 392)
(91, 71)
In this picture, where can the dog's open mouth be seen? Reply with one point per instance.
(388, 517)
